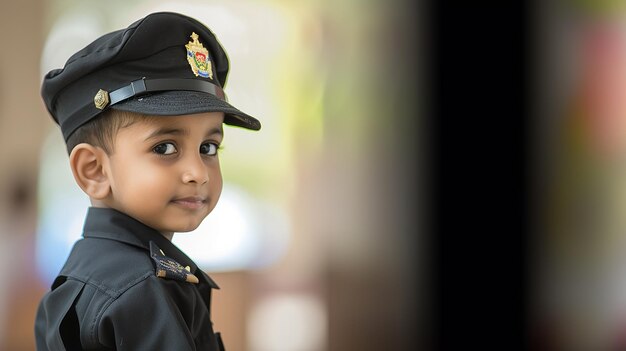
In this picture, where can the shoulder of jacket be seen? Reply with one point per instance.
(107, 265)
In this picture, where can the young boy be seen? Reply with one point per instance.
(141, 110)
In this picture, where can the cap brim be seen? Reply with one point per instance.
(180, 102)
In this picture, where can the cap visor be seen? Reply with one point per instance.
(180, 102)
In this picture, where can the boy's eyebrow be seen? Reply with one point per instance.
(179, 131)
(216, 130)
(167, 131)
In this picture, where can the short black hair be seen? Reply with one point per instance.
(101, 131)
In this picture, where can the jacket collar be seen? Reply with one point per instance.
(108, 223)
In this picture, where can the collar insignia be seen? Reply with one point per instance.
(168, 268)
(198, 58)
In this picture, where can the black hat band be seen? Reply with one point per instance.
(144, 86)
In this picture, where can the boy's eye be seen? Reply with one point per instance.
(165, 149)
(208, 149)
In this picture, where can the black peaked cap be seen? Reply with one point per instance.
(163, 64)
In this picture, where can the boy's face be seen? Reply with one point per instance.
(165, 171)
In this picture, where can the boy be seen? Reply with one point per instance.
(141, 111)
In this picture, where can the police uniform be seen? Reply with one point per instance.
(125, 286)
(108, 295)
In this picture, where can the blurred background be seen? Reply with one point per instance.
(317, 242)
(578, 267)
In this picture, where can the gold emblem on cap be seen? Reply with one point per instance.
(101, 100)
(198, 58)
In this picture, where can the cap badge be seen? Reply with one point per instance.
(198, 58)
(101, 100)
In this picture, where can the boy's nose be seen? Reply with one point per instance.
(195, 170)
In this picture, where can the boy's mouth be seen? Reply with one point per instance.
(190, 202)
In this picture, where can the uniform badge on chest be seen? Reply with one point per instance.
(168, 268)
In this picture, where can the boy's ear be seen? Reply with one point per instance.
(89, 166)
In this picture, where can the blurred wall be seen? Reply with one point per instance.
(21, 133)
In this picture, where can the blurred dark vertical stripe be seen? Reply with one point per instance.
(378, 301)
(405, 220)
(479, 122)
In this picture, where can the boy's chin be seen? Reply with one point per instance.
(176, 223)
(184, 228)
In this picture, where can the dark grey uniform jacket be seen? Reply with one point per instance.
(108, 297)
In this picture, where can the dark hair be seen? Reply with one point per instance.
(101, 131)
